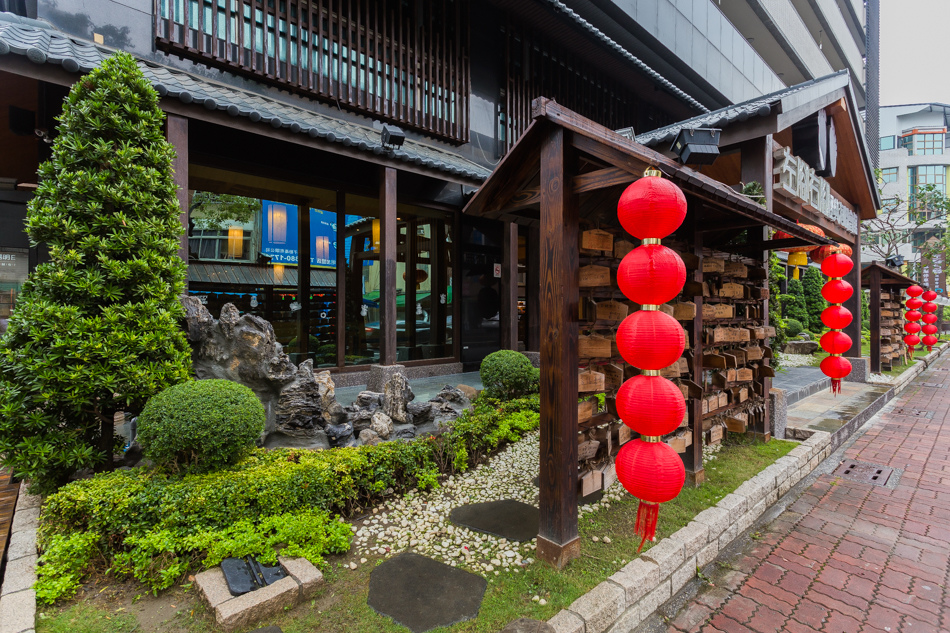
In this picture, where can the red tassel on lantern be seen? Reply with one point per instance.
(836, 368)
(654, 473)
(837, 291)
(836, 317)
(650, 339)
(651, 274)
(651, 207)
(835, 342)
(650, 405)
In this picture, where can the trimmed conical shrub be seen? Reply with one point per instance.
(95, 330)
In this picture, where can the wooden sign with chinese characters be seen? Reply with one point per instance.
(589, 380)
(613, 377)
(611, 311)
(799, 180)
(593, 346)
(597, 240)
(594, 276)
(622, 247)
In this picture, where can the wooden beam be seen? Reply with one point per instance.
(176, 131)
(558, 540)
(387, 262)
(874, 302)
(509, 287)
(601, 179)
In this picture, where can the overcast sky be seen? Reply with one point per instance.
(914, 51)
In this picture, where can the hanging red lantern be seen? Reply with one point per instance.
(651, 405)
(929, 318)
(652, 207)
(653, 473)
(930, 340)
(835, 342)
(836, 317)
(650, 339)
(651, 274)
(912, 328)
(819, 254)
(915, 291)
(798, 255)
(928, 295)
(913, 315)
(928, 307)
(837, 291)
(911, 340)
(913, 303)
(836, 368)
(929, 329)
(837, 265)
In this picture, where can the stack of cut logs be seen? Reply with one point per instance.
(893, 350)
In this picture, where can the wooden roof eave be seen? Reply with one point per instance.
(889, 276)
(522, 164)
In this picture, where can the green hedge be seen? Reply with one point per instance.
(155, 526)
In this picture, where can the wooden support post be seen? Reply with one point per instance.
(411, 260)
(693, 458)
(387, 263)
(874, 302)
(303, 280)
(509, 287)
(176, 131)
(340, 278)
(438, 258)
(558, 540)
(533, 291)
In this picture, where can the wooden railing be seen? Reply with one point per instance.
(405, 61)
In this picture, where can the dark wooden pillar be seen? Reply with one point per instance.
(438, 266)
(533, 291)
(854, 303)
(558, 541)
(387, 263)
(411, 258)
(509, 287)
(874, 302)
(693, 458)
(340, 278)
(303, 279)
(177, 134)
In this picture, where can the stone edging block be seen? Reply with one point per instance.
(17, 596)
(632, 594)
(233, 612)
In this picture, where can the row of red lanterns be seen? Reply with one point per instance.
(650, 275)
(836, 317)
(914, 305)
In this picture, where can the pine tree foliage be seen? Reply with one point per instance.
(812, 282)
(95, 330)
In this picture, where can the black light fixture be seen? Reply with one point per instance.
(894, 261)
(392, 137)
(699, 146)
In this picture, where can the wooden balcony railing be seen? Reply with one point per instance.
(405, 61)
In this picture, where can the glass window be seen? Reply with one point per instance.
(889, 174)
(928, 144)
(926, 181)
(361, 237)
(887, 142)
(920, 238)
(907, 142)
(14, 267)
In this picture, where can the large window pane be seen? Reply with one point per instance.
(362, 243)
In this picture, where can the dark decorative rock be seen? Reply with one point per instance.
(397, 394)
(403, 432)
(801, 347)
(338, 434)
(369, 437)
(422, 594)
(420, 412)
(305, 402)
(510, 519)
(524, 625)
(311, 440)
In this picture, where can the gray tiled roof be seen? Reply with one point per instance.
(42, 44)
(760, 106)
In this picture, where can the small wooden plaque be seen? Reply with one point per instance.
(684, 311)
(593, 346)
(743, 374)
(597, 240)
(718, 311)
(622, 247)
(611, 311)
(736, 269)
(613, 377)
(587, 450)
(713, 265)
(585, 411)
(594, 276)
(590, 380)
(624, 434)
(734, 291)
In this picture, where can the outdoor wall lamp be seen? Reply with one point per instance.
(699, 146)
(392, 137)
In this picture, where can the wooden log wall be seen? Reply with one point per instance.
(893, 350)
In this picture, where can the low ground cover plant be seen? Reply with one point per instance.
(156, 525)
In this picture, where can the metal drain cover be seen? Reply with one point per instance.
(932, 384)
(864, 473)
(917, 413)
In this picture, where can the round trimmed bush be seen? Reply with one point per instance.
(200, 425)
(507, 374)
(793, 327)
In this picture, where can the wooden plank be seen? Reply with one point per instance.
(558, 541)
(602, 178)
(387, 259)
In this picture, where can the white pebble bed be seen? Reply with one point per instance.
(795, 360)
(419, 521)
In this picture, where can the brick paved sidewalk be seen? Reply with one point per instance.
(849, 556)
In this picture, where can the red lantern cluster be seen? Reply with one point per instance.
(930, 319)
(836, 317)
(650, 209)
(912, 315)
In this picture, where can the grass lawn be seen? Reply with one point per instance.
(341, 604)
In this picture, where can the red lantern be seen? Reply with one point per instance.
(913, 303)
(651, 405)
(915, 291)
(835, 342)
(654, 473)
(929, 318)
(930, 341)
(929, 295)
(651, 207)
(911, 340)
(650, 339)
(819, 254)
(836, 368)
(912, 328)
(837, 291)
(836, 317)
(837, 265)
(929, 329)
(913, 315)
(651, 274)
(929, 307)
(782, 235)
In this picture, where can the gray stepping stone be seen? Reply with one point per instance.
(422, 594)
(524, 625)
(510, 519)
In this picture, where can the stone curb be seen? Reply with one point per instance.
(631, 595)
(17, 597)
